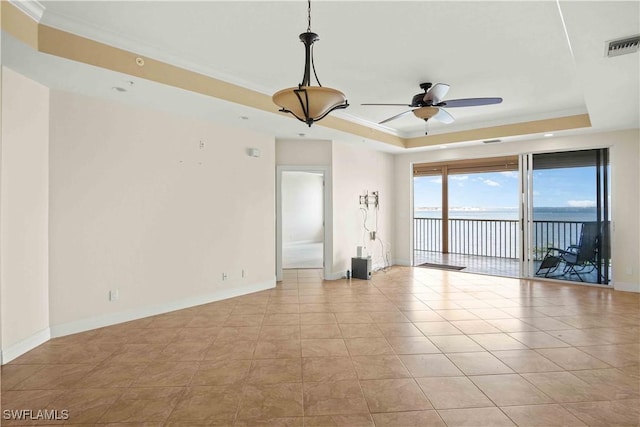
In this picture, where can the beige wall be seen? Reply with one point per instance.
(138, 206)
(24, 193)
(624, 156)
(355, 171)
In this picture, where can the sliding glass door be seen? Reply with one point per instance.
(466, 215)
(566, 216)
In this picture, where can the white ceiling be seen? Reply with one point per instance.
(374, 51)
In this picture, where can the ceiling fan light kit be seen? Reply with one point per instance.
(425, 113)
(305, 102)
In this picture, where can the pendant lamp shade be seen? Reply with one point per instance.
(309, 103)
(305, 102)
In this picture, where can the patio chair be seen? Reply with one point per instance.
(577, 259)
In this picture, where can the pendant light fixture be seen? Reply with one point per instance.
(309, 103)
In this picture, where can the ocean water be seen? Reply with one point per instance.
(539, 214)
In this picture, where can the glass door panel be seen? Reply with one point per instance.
(427, 222)
(569, 212)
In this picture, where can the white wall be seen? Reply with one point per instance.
(355, 171)
(302, 207)
(24, 194)
(1, 317)
(624, 157)
(303, 152)
(138, 206)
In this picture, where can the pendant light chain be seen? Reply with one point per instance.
(309, 16)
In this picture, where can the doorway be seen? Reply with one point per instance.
(301, 219)
(567, 212)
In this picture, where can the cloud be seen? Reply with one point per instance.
(459, 177)
(581, 203)
(436, 180)
(510, 174)
(491, 183)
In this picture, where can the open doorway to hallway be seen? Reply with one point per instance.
(302, 194)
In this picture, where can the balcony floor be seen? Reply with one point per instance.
(504, 267)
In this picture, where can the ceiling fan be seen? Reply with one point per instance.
(430, 104)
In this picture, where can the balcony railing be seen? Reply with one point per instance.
(495, 238)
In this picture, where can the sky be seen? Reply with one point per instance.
(567, 187)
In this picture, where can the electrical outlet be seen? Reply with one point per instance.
(225, 276)
(114, 295)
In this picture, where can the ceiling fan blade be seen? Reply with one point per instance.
(469, 102)
(390, 105)
(443, 116)
(395, 117)
(436, 93)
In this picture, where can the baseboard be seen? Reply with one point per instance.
(126, 316)
(21, 347)
(337, 276)
(627, 287)
(343, 274)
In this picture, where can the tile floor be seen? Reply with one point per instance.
(411, 347)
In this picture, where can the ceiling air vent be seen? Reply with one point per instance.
(622, 46)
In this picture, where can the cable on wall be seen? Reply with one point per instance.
(364, 227)
(372, 200)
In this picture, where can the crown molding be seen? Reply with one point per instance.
(32, 8)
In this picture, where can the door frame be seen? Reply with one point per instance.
(444, 169)
(327, 218)
(525, 171)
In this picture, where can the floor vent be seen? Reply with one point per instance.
(492, 141)
(622, 46)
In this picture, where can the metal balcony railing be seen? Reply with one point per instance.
(494, 238)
